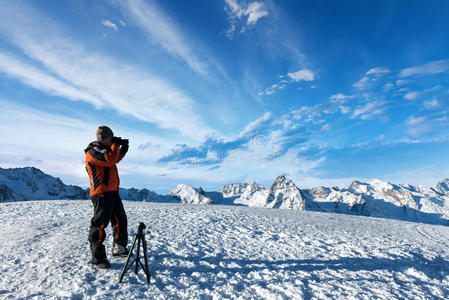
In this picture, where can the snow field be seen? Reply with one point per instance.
(223, 252)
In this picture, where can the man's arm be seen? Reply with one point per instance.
(123, 150)
(103, 157)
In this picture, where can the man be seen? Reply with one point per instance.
(101, 159)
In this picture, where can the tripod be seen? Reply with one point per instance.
(140, 238)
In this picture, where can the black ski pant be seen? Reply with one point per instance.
(107, 207)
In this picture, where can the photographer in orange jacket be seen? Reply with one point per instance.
(101, 159)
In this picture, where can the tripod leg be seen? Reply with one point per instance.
(137, 253)
(127, 260)
(145, 250)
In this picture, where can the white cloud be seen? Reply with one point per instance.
(412, 120)
(378, 71)
(326, 128)
(411, 96)
(340, 98)
(55, 142)
(371, 76)
(41, 80)
(93, 77)
(109, 24)
(433, 67)
(431, 104)
(418, 126)
(344, 109)
(400, 82)
(370, 110)
(388, 86)
(122, 23)
(250, 15)
(163, 31)
(256, 124)
(300, 75)
(362, 83)
(255, 11)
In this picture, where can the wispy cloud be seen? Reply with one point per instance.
(109, 24)
(258, 123)
(428, 125)
(431, 104)
(370, 110)
(249, 15)
(371, 76)
(362, 83)
(378, 71)
(32, 140)
(340, 98)
(433, 67)
(163, 31)
(41, 80)
(93, 77)
(418, 126)
(411, 95)
(298, 76)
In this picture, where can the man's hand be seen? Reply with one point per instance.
(116, 140)
(124, 148)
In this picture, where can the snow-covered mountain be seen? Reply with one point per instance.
(189, 195)
(6, 194)
(144, 195)
(382, 199)
(443, 186)
(21, 184)
(242, 190)
(375, 198)
(251, 194)
(285, 194)
(32, 184)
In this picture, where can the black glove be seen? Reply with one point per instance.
(125, 142)
(124, 148)
(117, 140)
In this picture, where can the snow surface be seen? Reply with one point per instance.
(223, 252)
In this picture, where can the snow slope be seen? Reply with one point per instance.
(223, 252)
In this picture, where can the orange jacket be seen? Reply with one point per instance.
(101, 166)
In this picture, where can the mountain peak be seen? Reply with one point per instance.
(284, 193)
(443, 186)
(189, 195)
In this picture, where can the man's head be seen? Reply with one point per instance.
(104, 135)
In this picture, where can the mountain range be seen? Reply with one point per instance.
(375, 198)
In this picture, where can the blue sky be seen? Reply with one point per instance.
(222, 91)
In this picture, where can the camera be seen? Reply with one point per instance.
(141, 228)
(119, 140)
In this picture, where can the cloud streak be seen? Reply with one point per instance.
(78, 73)
(162, 30)
(55, 142)
(433, 67)
(370, 77)
(293, 77)
(370, 110)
